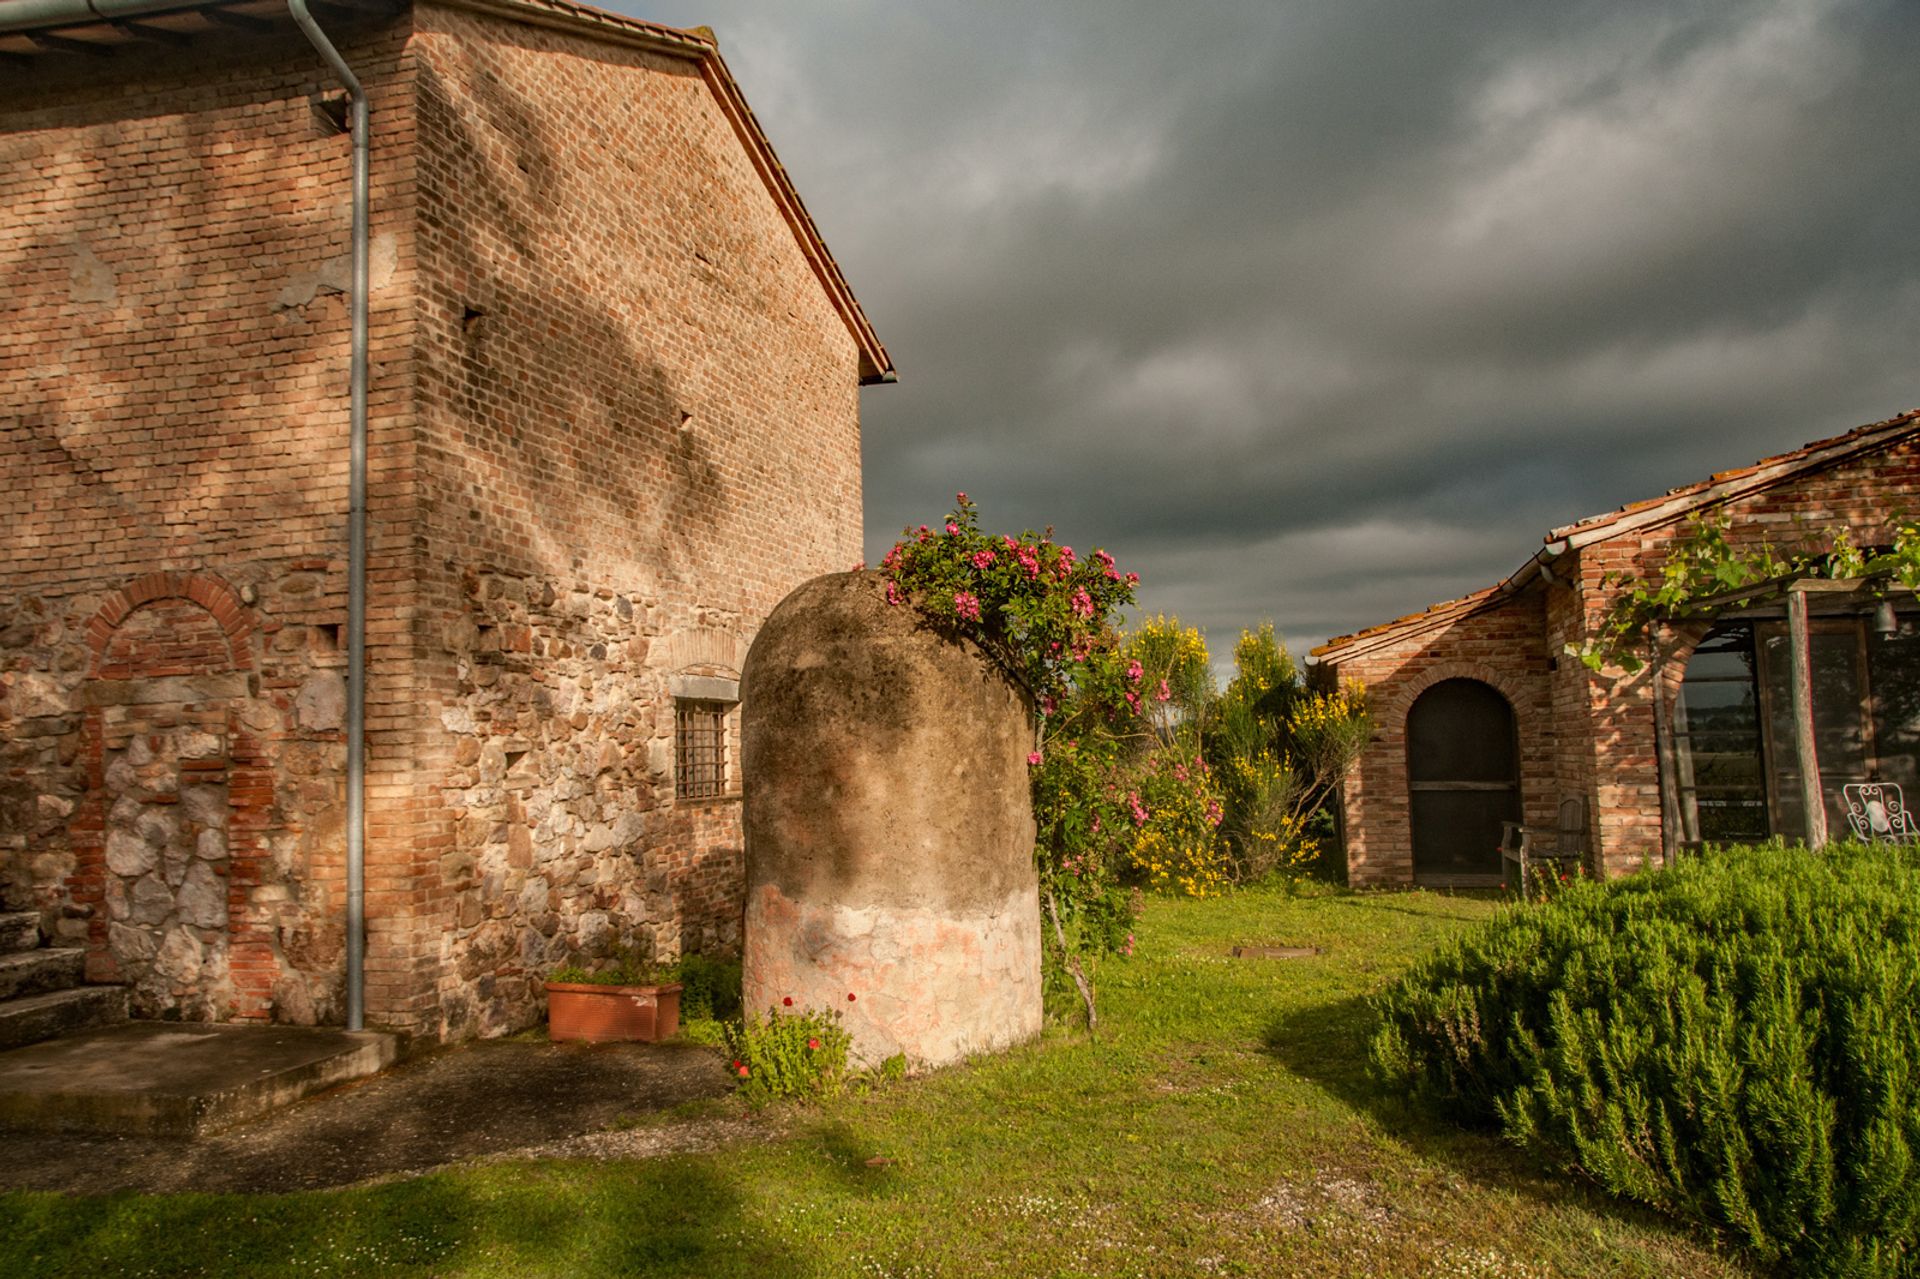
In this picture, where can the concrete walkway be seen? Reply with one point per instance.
(493, 1098)
(153, 1078)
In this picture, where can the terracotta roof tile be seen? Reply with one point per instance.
(1676, 502)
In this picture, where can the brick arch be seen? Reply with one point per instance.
(1397, 704)
(219, 600)
(703, 648)
(171, 672)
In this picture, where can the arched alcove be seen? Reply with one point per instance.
(1463, 780)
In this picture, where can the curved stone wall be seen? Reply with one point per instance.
(889, 836)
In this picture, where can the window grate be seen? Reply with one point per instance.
(699, 749)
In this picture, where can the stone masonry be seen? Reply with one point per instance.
(613, 421)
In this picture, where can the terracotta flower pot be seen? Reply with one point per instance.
(603, 1014)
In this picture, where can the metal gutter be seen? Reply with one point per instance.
(33, 16)
(356, 527)
(40, 15)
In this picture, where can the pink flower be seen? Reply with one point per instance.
(1128, 948)
(960, 499)
(1066, 555)
(1133, 700)
(1138, 809)
(983, 559)
(1106, 560)
(1047, 704)
(1214, 813)
(893, 595)
(1133, 579)
(861, 567)
(1033, 759)
(1135, 671)
(967, 605)
(1163, 693)
(953, 530)
(1083, 602)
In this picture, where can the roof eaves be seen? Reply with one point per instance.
(1434, 615)
(1726, 486)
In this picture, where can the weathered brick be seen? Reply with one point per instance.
(613, 421)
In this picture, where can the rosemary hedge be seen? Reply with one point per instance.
(1735, 1040)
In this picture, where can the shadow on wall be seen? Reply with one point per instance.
(571, 440)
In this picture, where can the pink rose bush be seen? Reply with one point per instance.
(1035, 606)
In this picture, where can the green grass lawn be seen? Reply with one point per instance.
(1222, 1124)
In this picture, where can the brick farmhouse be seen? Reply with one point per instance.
(612, 419)
(1483, 715)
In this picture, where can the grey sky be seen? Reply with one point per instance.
(1324, 312)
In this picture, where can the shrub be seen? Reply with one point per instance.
(789, 1054)
(710, 988)
(1734, 1040)
(1174, 809)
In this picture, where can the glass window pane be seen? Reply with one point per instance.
(1893, 663)
(1839, 728)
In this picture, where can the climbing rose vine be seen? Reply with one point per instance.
(1048, 616)
(1042, 611)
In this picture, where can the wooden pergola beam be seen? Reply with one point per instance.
(1801, 688)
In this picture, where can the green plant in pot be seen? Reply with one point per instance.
(626, 998)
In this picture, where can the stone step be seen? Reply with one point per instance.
(19, 930)
(157, 1078)
(29, 972)
(31, 1018)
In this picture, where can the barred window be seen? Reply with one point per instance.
(699, 749)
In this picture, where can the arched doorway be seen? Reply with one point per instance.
(1463, 772)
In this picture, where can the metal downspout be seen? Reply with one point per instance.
(356, 532)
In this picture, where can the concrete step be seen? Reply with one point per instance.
(29, 972)
(31, 1018)
(19, 930)
(178, 1078)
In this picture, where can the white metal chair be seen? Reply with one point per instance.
(1878, 813)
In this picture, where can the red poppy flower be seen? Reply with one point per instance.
(743, 1072)
(788, 1001)
(813, 1044)
(849, 996)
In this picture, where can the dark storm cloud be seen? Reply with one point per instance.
(1325, 312)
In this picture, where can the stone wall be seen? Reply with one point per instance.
(171, 798)
(173, 424)
(613, 420)
(641, 431)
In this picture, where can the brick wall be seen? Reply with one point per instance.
(613, 422)
(1613, 741)
(1502, 646)
(173, 423)
(1594, 733)
(639, 432)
